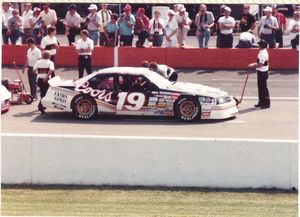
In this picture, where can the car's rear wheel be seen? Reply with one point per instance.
(84, 107)
(187, 109)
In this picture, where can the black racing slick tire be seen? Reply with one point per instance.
(187, 109)
(84, 107)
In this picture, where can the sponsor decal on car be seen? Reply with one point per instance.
(96, 93)
(205, 115)
(61, 97)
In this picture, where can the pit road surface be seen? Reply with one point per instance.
(278, 122)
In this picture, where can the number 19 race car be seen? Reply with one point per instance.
(137, 91)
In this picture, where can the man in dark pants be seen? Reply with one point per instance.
(33, 55)
(84, 48)
(262, 68)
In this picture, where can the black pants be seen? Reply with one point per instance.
(263, 91)
(84, 62)
(32, 81)
(102, 38)
(244, 44)
(142, 36)
(72, 34)
(43, 86)
(279, 37)
(127, 40)
(295, 42)
(270, 39)
(225, 40)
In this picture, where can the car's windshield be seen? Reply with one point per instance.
(158, 80)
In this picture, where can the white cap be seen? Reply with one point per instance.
(268, 8)
(93, 7)
(227, 9)
(181, 8)
(171, 12)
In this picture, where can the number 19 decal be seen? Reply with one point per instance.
(135, 100)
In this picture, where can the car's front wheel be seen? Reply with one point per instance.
(187, 109)
(84, 107)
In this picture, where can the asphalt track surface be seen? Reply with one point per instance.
(280, 122)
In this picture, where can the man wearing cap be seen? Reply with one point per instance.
(36, 25)
(142, 27)
(266, 27)
(105, 16)
(49, 17)
(226, 25)
(184, 22)
(281, 26)
(72, 23)
(6, 14)
(93, 20)
(262, 68)
(27, 19)
(170, 30)
(126, 23)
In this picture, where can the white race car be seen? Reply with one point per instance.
(137, 91)
(5, 99)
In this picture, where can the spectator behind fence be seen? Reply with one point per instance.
(49, 17)
(218, 26)
(204, 21)
(36, 25)
(171, 28)
(6, 14)
(247, 40)
(226, 24)
(111, 30)
(27, 20)
(281, 26)
(14, 24)
(93, 20)
(105, 16)
(157, 25)
(293, 29)
(126, 23)
(142, 27)
(33, 55)
(266, 27)
(184, 22)
(72, 24)
(84, 48)
(247, 21)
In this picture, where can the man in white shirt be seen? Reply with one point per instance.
(170, 30)
(266, 27)
(27, 19)
(293, 29)
(43, 68)
(184, 22)
(6, 14)
(105, 15)
(226, 25)
(157, 25)
(49, 17)
(33, 55)
(84, 48)
(93, 20)
(262, 68)
(72, 23)
(247, 40)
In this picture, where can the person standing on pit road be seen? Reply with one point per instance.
(266, 27)
(43, 68)
(27, 20)
(6, 14)
(50, 43)
(49, 17)
(33, 55)
(126, 23)
(170, 30)
(262, 68)
(184, 22)
(72, 24)
(281, 26)
(247, 20)
(105, 16)
(93, 20)
(226, 24)
(156, 29)
(84, 48)
(294, 30)
(204, 21)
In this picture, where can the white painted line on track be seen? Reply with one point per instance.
(273, 98)
(239, 79)
(236, 122)
(72, 136)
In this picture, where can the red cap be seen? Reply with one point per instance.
(141, 11)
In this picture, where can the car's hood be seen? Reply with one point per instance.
(58, 81)
(197, 89)
(5, 94)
